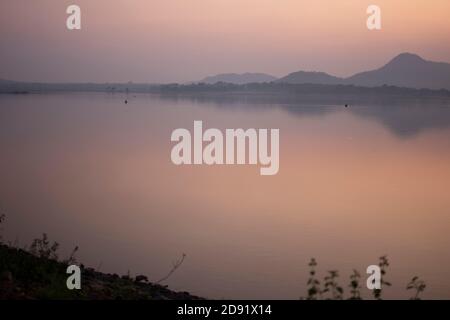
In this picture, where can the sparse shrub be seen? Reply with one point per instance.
(331, 285)
(176, 265)
(383, 264)
(46, 279)
(417, 285)
(43, 249)
(313, 283)
(355, 287)
(72, 259)
(333, 291)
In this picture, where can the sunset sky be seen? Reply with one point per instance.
(179, 40)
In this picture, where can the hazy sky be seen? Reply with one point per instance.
(184, 40)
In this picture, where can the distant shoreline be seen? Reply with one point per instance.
(254, 93)
(270, 88)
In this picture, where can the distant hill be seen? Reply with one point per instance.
(405, 70)
(242, 78)
(310, 77)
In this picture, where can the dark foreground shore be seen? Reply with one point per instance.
(26, 276)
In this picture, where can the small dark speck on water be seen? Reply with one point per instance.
(346, 105)
(126, 101)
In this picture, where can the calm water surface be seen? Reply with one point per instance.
(354, 183)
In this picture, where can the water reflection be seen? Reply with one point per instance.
(94, 172)
(402, 115)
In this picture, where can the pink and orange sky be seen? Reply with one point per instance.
(180, 40)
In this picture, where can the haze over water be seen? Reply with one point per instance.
(183, 41)
(354, 184)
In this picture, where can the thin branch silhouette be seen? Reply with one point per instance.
(176, 265)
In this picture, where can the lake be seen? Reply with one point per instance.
(354, 184)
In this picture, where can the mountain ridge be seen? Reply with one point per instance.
(311, 77)
(404, 70)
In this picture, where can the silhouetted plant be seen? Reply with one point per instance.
(42, 248)
(331, 285)
(313, 283)
(335, 292)
(383, 264)
(355, 287)
(48, 272)
(72, 259)
(176, 265)
(417, 285)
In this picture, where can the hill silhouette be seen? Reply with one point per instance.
(310, 77)
(405, 70)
